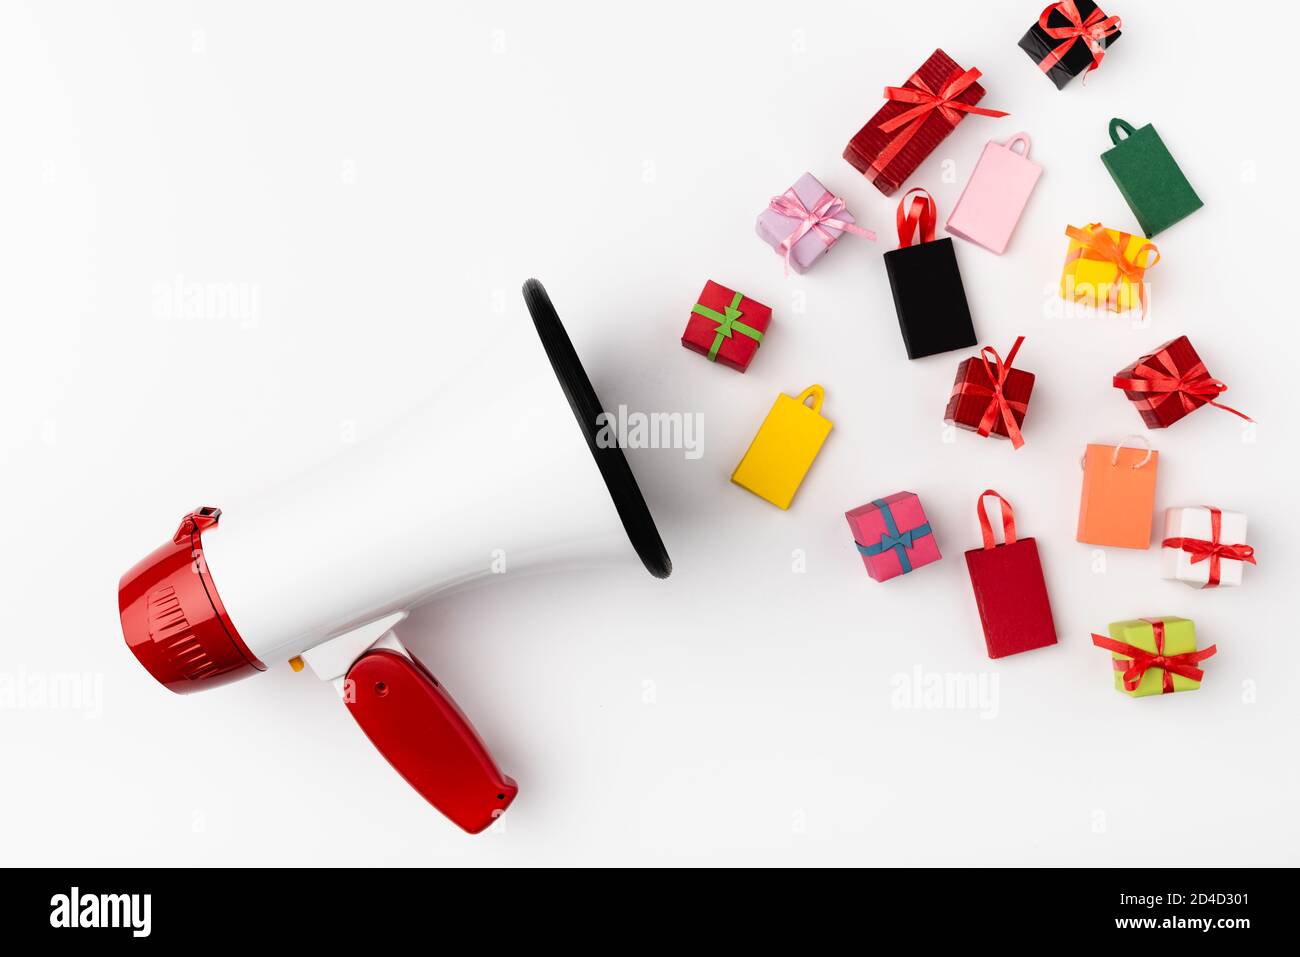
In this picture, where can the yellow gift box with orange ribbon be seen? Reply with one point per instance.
(1106, 268)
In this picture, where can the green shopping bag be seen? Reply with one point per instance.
(1149, 179)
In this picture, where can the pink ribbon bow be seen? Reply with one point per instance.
(823, 216)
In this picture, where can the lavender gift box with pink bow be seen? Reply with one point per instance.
(805, 221)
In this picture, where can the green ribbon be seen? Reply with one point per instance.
(727, 321)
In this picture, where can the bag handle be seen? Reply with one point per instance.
(1114, 457)
(1008, 521)
(1116, 125)
(1021, 138)
(814, 392)
(923, 213)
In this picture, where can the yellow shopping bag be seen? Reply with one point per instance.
(784, 448)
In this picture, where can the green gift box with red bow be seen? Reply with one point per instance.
(726, 326)
(1152, 656)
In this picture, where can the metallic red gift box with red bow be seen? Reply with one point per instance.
(1167, 384)
(915, 119)
(989, 396)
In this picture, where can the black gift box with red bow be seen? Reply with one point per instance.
(1078, 57)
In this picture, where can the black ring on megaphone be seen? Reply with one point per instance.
(628, 500)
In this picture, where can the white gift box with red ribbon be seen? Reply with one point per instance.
(1205, 546)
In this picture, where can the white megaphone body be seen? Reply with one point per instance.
(318, 571)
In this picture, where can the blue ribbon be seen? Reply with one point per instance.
(893, 538)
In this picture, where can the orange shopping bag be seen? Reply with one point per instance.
(1119, 496)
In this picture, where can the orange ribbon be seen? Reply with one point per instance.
(1214, 551)
(1097, 244)
(918, 91)
(999, 404)
(1091, 31)
(1142, 660)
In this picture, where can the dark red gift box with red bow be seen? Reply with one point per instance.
(914, 120)
(989, 396)
(1167, 384)
(1010, 590)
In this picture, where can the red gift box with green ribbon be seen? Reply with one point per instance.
(726, 326)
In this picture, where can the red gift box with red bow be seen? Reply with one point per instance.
(989, 396)
(914, 120)
(1167, 384)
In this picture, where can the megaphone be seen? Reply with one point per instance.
(319, 571)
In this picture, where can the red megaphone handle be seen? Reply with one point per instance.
(414, 723)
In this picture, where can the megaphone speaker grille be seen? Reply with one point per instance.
(628, 500)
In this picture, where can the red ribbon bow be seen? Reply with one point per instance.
(927, 100)
(1091, 31)
(1162, 380)
(823, 216)
(1142, 660)
(999, 404)
(1097, 244)
(1214, 550)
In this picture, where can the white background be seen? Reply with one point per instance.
(385, 176)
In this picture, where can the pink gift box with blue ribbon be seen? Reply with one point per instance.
(893, 535)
